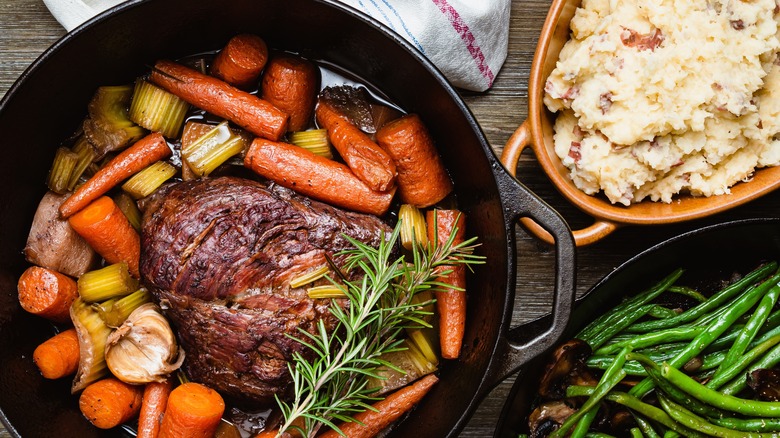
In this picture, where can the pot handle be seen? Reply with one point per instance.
(519, 140)
(519, 345)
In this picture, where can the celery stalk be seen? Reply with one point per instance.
(65, 162)
(106, 283)
(211, 150)
(145, 182)
(115, 311)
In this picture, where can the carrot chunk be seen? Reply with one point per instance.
(241, 61)
(387, 411)
(107, 230)
(193, 411)
(58, 356)
(155, 399)
(450, 303)
(110, 402)
(144, 152)
(47, 293)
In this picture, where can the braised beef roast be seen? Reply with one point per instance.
(220, 253)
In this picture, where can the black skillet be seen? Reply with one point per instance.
(707, 253)
(50, 99)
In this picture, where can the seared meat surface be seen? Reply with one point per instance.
(220, 253)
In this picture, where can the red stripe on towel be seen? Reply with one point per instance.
(465, 34)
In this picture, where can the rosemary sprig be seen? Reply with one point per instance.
(333, 386)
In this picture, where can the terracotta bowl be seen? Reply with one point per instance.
(537, 132)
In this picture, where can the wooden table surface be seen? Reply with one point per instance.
(27, 29)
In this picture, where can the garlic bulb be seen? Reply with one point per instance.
(143, 349)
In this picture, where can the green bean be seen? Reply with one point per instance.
(661, 312)
(712, 303)
(750, 331)
(581, 429)
(693, 421)
(612, 376)
(633, 368)
(743, 362)
(606, 320)
(749, 424)
(743, 304)
(676, 394)
(636, 433)
(652, 413)
(682, 333)
(688, 292)
(647, 428)
(671, 434)
(617, 325)
(770, 359)
(726, 402)
(599, 435)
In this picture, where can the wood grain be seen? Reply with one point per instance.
(27, 29)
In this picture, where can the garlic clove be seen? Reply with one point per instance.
(143, 349)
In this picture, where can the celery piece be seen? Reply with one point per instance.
(314, 140)
(413, 227)
(116, 310)
(157, 110)
(108, 127)
(86, 155)
(130, 209)
(309, 277)
(92, 333)
(65, 162)
(209, 151)
(106, 283)
(145, 182)
(419, 359)
(327, 291)
(420, 340)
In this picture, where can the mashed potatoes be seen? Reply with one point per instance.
(667, 96)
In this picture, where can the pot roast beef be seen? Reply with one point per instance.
(219, 255)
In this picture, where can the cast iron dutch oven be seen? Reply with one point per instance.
(709, 253)
(50, 100)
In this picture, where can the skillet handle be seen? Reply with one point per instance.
(521, 139)
(513, 350)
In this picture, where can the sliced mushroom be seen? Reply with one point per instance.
(766, 383)
(566, 367)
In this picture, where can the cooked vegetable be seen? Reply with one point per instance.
(447, 227)
(421, 342)
(93, 333)
(193, 410)
(109, 402)
(143, 349)
(145, 182)
(413, 229)
(219, 98)
(422, 178)
(130, 209)
(103, 284)
(155, 398)
(313, 140)
(157, 110)
(62, 169)
(290, 83)
(108, 127)
(146, 151)
(241, 61)
(315, 176)
(47, 293)
(103, 225)
(58, 356)
(115, 311)
(309, 277)
(212, 149)
(87, 156)
(370, 422)
(365, 158)
(326, 291)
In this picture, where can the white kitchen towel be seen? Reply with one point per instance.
(466, 39)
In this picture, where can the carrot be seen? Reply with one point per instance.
(144, 152)
(110, 402)
(47, 293)
(221, 99)
(58, 356)
(366, 159)
(388, 410)
(290, 83)
(315, 176)
(450, 303)
(193, 410)
(155, 399)
(422, 178)
(241, 61)
(107, 230)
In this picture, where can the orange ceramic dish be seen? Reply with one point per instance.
(537, 132)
